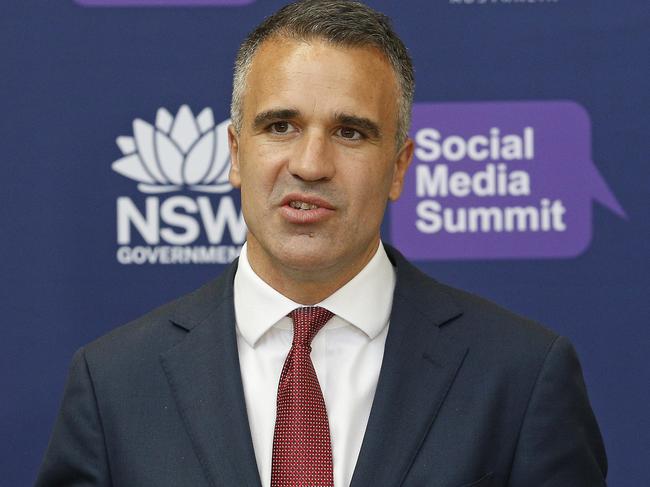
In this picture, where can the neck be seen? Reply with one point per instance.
(307, 286)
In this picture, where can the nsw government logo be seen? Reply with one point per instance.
(186, 211)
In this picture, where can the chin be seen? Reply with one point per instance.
(307, 258)
(307, 261)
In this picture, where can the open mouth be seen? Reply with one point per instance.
(306, 209)
(302, 205)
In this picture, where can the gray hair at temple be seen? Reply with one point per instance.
(339, 22)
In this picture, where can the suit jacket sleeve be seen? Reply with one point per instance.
(76, 455)
(559, 444)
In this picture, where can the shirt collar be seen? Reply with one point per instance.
(364, 302)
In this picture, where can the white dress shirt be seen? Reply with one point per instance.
(347, 354)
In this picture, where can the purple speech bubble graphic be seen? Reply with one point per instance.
(497, 180)
(161, 3)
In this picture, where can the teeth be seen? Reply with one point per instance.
(301, 205)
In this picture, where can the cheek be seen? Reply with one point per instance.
(371, 180)
(259, 168)
(368, 197)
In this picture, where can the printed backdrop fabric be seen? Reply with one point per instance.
(529, 185)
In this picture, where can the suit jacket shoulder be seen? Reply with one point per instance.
(485, 397)
(470, 318)
(150, 403)
(160, 329)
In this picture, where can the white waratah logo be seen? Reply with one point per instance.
(177, 153)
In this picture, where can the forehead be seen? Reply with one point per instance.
(318, 76)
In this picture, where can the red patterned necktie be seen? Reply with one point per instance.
(302, 449)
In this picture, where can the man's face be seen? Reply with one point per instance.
(316, 157)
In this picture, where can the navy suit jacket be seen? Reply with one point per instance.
(469, 394)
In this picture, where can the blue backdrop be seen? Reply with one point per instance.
(75, 77)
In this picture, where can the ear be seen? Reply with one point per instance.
(402, 163)
(234, 175)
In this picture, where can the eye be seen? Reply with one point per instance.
(281, 127)
(349, 133)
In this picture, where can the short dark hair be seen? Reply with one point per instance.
(339, 22)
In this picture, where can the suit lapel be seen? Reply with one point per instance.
(204, 376)
(420, 363)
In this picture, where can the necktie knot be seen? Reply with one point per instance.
(307, 321)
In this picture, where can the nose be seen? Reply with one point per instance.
(313, 159)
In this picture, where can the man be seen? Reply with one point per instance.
(322, 357)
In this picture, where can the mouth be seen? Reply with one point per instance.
(305, 202)
(302, 205)
(304, 209)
